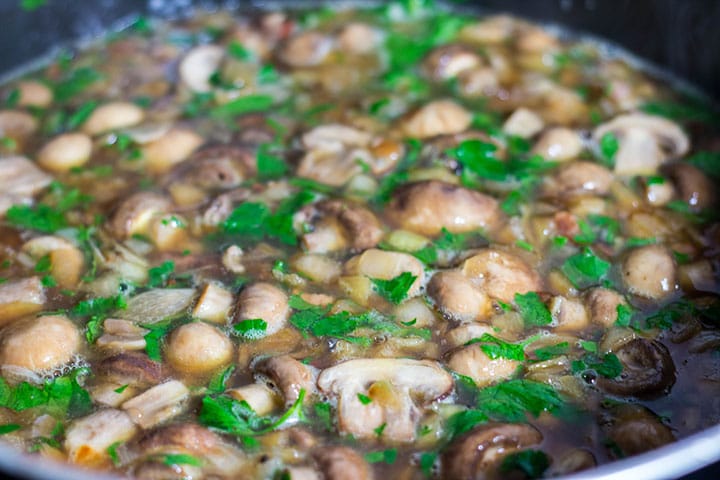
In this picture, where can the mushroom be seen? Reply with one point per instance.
(342, 463)
(440, 117)
(131, 368)
(290, 376)
(429, 206)
(198, 348)
(692, 185)
(649, 272)
(113, 116)
(634, 429)
(395, 387)
(472, 362)
(645, 142)
(135, 213)
(20, 180)
(579, 178)
(16, 124)
(458, 298)
(358, 38)
(306, 49)
(34, 94)
(357, 226)
(493, 29)
(188, 436)
(262, 399)
(523, 123)
(19, 298)
(602, 304)
(568, 313)
(40, 344)
(87, 439)
(559, 144)
(501, 274)
(65, 151)
(214, 304)
(648, 370)
(157, 404)
(266, 302)
(170, 149)
(386, 265)
(157, 304)
(219, 167)
(478, 454)
(448, 61)
(198, 65)
(67, 262)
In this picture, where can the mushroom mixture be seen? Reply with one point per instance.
(396, 242)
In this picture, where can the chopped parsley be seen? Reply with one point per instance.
(546, 353)
(609, 146)
(269, 165)
(512, 400)
(97, 310)
(9, 428)
(585, 268)
(608, 365)
(159, 276)
(708, 162)
(396, 289)
(364, 399)
(243, 105)
(495, 348)
(252, 329)
(386, 456)
(448, 243)
(220, 379)
(532, 463)
(323, 412)
(60, 396)
(624, 315)
(532, 310)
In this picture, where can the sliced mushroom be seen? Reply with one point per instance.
(501, 275)
(172, 148)
(568, 313)
(458, 298)
(559, 144)
(188, 436)
(650, 272)
(220, 167)
(306, 49)
(395, 387)
(648, 370)
(579, 178)
(17, 124)
(40, 344)
(449, 61)
(290, 376)
(67, 262)
(135, 213)
(646, 142)
(602, 304)
(122, 335)
(65, 151)
(358, 38)
(266, 302)
(523, 123)
(34, 94)
(634, 429)
(113, 116)
(386, 265)
(343, 463)
(20, 180)
(472, 362)
(158, 404)
(429, 206)
(440, 117)
(214, 304)
(158, 304)
(478, 454)
(262, 399)
(198, 66)
(692, 185)
(87, 439)
(19, 298)
(357, 226)
(131, 368)
(198, 348)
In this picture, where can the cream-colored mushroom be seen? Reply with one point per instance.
(67, 262)
(569, 314)
(306, 49)
(448, 61)
(478, 81)
(198, 348)
(266, 302)
(17, 124)
(396, 389)
(290, 376)
(692, 185)
(157, 304)
(579, 178)
(602, 304)
(493, 29)
(34, 94)
(645, 142)
(64, 152)
(500, 274)
(87, 439)
(172, 148)
(262, 399)
(559, 144)
(20, 179)
(113, 116)
(135, 213)
(472, 362)
(458, 298)
(214, 304)
(523, 123)
(650, 272)
(385, 265)
(335, 225)
(358, 38)
(40, 344)
(157, 404)
(439, 117)
(429, 206)
(19, 298)
(458, 337)
(342, 463)
(198, 65)
(318, 268)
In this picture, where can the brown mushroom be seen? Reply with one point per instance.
(134, 214)
(290, 376)
(133, 368)
(440, 117)
(501, 274)
(189, 436)
(357, 226)
(579, 178)
(650, 272)
(306, 49)
(692, 185)
(477, 454)
(429, 206)
(343, 463)
(648, 370)
(20, 180)
(634, 429)
(458, 298)
(449, 61)
(266, 302)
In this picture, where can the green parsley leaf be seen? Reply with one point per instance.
(81, 114)
(387, 456)
(495, 348)
(121, 389)
(668, 315)
(464, 421)
(252, 329)
(219, 380)
(396, 289)
(513, 399)
(32, 5)
(585, 268)
(323, 411)
(75, 82)
(243, 105)
(689, 110)
(237, 51)
(269, 166)
(609, 147)
(364, 399)
(379, 430)
(112, 453)
(159, 276)
(9, 428)
(532, 310)
(41, 217)
(546, 353)
(708, 162)
(608, 366)
(181, 459)
(427, 463)
(624, 315)
(532, 463)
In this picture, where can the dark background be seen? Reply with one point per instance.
(682, 36)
